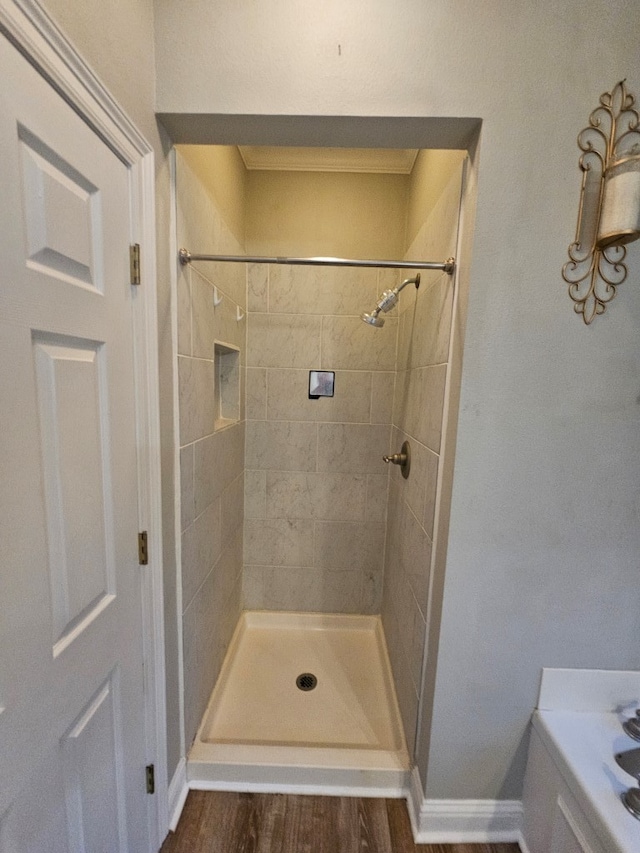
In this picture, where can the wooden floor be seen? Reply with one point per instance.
(215, 822)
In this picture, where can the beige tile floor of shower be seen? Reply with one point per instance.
(261, 732)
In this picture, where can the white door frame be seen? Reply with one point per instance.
(30, 28)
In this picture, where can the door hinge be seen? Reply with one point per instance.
(150, 773)
(143, 550)
(134, 263)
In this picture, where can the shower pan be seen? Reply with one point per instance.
(305, 703)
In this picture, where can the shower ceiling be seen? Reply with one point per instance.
(391, 161)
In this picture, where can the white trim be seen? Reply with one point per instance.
(469, 821)
(320, 789)
(462, 821)
(444, 475)
(522, 844)
(149, 480)
(415, 796)
(34, 33)
(178, 790)
(177, 473)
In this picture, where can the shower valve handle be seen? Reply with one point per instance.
(396, 459)
(403, 459)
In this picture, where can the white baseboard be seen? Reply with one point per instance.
(523, 844)
(462, 821)
(177, 794)
(415, 797)
(432, 821)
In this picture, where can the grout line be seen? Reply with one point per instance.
(221, 287)
(190, 311)
(336, 370)
(202, 275)
(195, 357)
(268, 288)
(391, 316)
(314, 423)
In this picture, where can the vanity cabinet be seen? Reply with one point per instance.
(553, 820)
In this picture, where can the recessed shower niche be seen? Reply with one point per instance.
(290, 511)
(226, 362)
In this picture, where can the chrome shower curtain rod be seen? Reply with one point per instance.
(447, 266)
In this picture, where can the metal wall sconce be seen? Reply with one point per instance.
(609, 212)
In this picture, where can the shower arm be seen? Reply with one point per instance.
(407, 281)
(448, 266)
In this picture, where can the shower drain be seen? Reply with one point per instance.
(306, 681)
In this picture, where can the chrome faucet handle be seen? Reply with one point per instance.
(403, 459)
(632, 726)
(631, 799)
(630, 762)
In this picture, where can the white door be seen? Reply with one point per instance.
(72, 747)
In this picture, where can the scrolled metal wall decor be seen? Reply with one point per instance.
(610, 164)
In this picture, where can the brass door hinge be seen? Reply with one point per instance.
(143, 551)
(134, 263)
(150, 773)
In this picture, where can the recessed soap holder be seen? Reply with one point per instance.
(226, 392)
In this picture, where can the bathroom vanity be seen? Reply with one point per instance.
(573, 786)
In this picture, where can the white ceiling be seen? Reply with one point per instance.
(394, 161)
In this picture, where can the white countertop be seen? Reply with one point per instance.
(580, 719)
(589, 690)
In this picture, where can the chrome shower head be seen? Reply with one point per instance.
(373, 319)
(386, 302)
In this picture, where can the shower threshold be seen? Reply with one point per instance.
(304, 704)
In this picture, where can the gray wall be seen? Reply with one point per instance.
(543, 535)
(543, 539)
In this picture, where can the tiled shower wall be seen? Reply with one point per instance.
(211, 458)
(418, 409)
(320, 509)
(315, 482)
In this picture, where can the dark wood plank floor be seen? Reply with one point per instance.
(215, 822)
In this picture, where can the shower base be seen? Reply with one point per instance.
(261, 732)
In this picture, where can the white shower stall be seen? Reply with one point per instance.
(302, 553)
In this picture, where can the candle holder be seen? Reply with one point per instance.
(609, 211)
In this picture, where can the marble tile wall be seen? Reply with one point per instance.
(418, 409)
(315, 483)
(211, 459)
